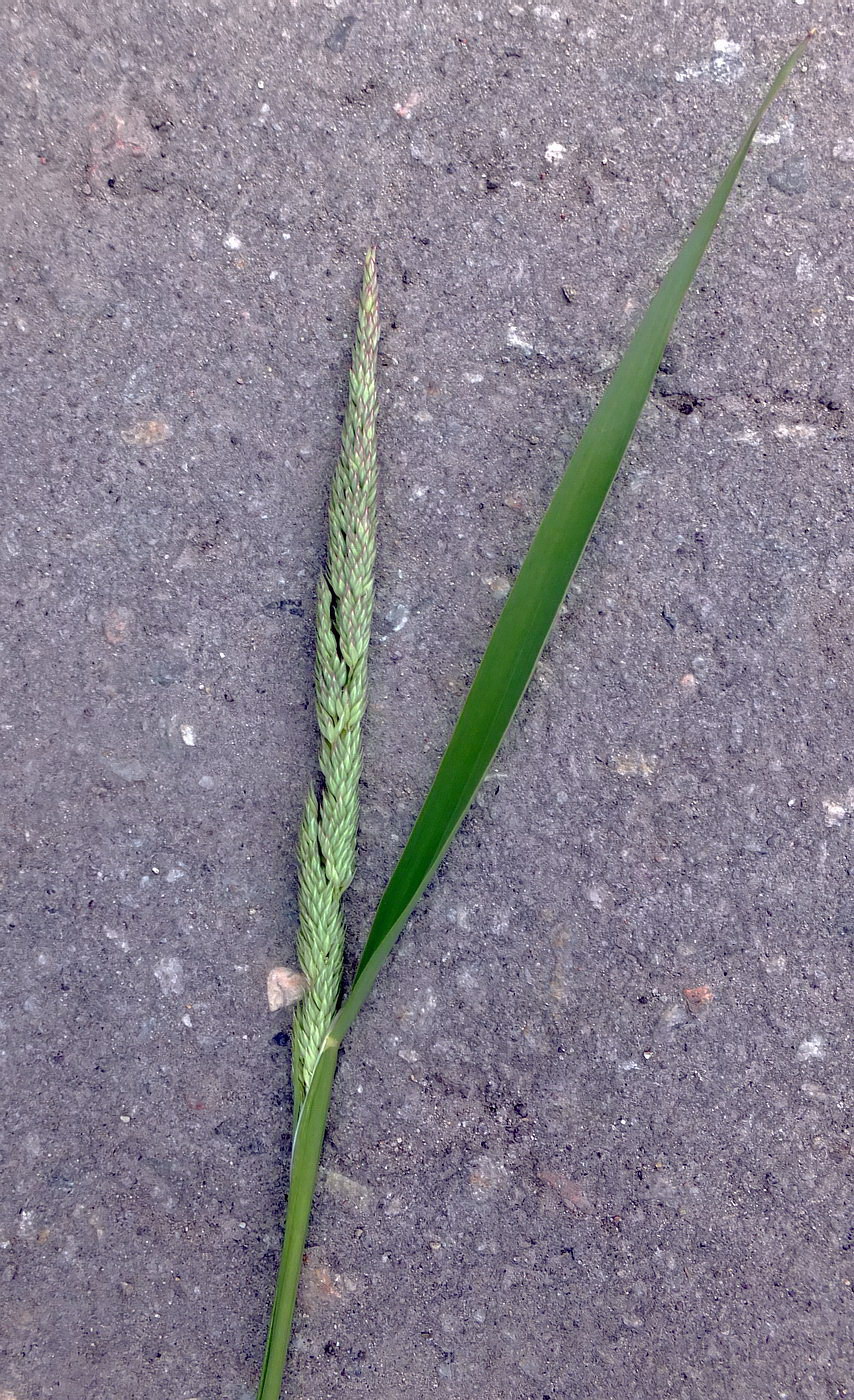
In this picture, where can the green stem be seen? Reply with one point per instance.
(305, 1160)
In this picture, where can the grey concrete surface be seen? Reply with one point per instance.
(591, 1137)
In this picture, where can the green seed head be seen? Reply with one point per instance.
(345, 593)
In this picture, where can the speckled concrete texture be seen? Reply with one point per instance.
(591, 1136)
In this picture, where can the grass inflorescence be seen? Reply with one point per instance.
(345, 597)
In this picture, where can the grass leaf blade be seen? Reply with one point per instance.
(532, 604)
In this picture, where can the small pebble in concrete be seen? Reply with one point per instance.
(397, 616)
(486, 1175)
(843, 150)
(405, 109)
(148, 432)
(345, 1189)
(497, 584)
(835, 812)
(321, 1285)
(285, 987)
(725, 65)
(130, 770)
(698, 998)
(790, 178)
(673, 1015)
(773, 138)
(811, 1049)
(814, 1091)
(336, 40)
(519, 340)
(571, 1192)
(635, 764)
(116, 624)
(170, 975)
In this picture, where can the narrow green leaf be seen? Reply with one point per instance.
(533, 603)
(498, 686)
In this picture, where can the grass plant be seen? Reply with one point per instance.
(328, 832)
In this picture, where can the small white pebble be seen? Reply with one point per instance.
(519, 340)
(285, 987)
(497, 584)
(555, 152)
(772, 138)
(186, 1021)
(635, 764)
(170, 975)
(834, 812)
(405, 109)
(812, 1048)
(674, 1014)
(844, 150)
(232, 242)
(398, 616)
(815, 1091)
(805, 270)
(802, 432)
(188, 735)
